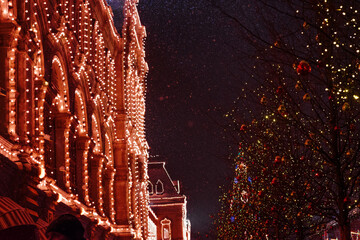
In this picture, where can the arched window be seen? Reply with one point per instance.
(159, 188)
(150, 188)
(165, 229)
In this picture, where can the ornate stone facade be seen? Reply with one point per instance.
(72, 108)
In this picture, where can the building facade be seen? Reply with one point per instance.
(168, 206)
(72, 102)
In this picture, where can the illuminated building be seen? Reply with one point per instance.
(168, 205)
(72, 114)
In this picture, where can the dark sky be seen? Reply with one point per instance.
(193, 80)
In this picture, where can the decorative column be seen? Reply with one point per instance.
(62, 128)
(109, 192)
(121, 183)
(23, 83)
(40, 91)
(82, 174)
(121, 179)
(95, 183)
(134, 190)
(143, 201)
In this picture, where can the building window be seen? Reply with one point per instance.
(159, 187)
(165, 229)
(150, 187)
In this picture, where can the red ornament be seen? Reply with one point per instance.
(306, 97)
(263, 100)
(277, 159)
(303, 68)
(274, 181)
(279, 90)
(282, 110)
(308, 142)
(345, 107)
(306, 25)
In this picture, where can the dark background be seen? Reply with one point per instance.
(193, 81)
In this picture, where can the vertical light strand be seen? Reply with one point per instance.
(12, 93)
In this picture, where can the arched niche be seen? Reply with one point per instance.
(60, 83)
(78, 148)
(57, 119)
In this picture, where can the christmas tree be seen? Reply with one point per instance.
(237, 218)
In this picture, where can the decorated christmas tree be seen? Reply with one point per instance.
(237, 218)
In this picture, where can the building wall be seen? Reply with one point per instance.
(72, 102)
(168, 205)
(174, 213)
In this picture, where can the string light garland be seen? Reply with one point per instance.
(84, 80)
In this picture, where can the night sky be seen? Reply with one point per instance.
(193, 80)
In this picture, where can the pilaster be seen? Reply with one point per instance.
(61, 145)
(108, 188)
(23, 82)
(95, 183)
(121, 184)
(82, 178)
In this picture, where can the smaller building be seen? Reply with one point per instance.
(168, 214)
